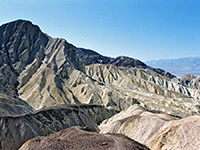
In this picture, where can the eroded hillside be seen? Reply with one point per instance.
(45, 71)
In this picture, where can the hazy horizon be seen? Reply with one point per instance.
(140, 29)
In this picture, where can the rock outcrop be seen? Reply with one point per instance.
(75, 138)
(44, 72)
(158, 131)
(17, 129)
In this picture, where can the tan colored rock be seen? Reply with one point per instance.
(75, 138)
(110, 86)
(156, 130)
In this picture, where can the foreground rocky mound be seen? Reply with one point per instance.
(158, 131)
(75, 138)
(15, 130)
(11, 106)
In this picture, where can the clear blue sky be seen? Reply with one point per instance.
(142, 29)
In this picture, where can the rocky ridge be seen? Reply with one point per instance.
(17, 129)
(91, 57)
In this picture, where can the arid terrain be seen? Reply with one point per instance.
(54, 95)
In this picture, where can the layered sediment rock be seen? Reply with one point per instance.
(45, 71)
(158, 131)
(76, 138)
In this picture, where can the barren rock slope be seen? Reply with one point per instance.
(156, 130)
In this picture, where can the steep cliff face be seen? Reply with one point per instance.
(158, 131)
(75, 138)
(20, 42)
(16, 130)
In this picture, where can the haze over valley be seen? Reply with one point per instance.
(179, 66)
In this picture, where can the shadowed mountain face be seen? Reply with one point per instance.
(45, 71)
(91, 57)
(20, 41)
(76, 138)
(24, 49)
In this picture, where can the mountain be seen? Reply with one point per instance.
(91, 57)
(156, 130)
(45, 71)
(28, 54)
(180, 66)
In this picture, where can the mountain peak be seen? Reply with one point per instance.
(17, 23)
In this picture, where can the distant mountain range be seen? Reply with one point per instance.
(179, 66)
